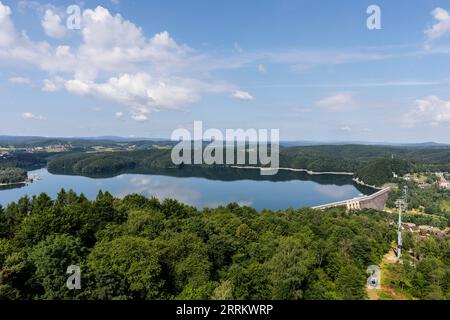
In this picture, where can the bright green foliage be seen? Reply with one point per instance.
(139, 248)
(425, 273)
(50, 259)
(379, 171)
(125, 268)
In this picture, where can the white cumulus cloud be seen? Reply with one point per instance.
(119, 114)
(114, 61)
(140, 92)
(7, 32)
(431, 110)
(442, 25)
(52, 25)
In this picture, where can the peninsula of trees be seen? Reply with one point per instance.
(11, 175)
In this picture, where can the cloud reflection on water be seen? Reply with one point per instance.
(152, 186)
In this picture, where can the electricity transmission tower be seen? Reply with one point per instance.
(402, 205)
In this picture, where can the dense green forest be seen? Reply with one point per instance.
(425, 271)
(434, 202)
(12, 175)
(25, 160)
(379, 171)
(139, 248)
(93, 164)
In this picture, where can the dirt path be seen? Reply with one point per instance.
(386, 291)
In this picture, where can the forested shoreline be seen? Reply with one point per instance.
(373, 165)
(11, 175)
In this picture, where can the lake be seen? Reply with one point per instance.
(201, 187)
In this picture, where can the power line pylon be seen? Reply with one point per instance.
(402, 205)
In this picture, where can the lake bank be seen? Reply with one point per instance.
(298, 170)
(28, 181)
(312, 173)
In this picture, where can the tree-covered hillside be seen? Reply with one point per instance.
(139, 248)
(12, 175)
(374, 165)
(425, 271)
(92, 164)
(379, 171)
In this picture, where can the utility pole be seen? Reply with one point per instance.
(402, 204)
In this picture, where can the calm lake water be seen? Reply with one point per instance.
(207, 188)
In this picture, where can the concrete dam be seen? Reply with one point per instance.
(374, 201)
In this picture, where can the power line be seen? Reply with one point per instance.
(402, 205)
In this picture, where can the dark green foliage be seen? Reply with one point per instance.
(433, 201)
(425, 273)
(50, 259)
(139, 248)
(379, 171)
(24, 160)
(373, 165)
(12, 175)
(125, 268)
(99, 164)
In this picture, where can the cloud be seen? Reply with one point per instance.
(111, 43)
(140, 92)
(114, 62)
(441, 27)
(242, 95)
(31, 116)
(345, 128)
(431, 110)
(20, 80)
(139, 117)
(238, 48)
(52, 25)
(119, 115)
(7, 32)
(51, 86)
(162, 189)
(397, 83)
(343, 101)
(305, 59)
(262, 68)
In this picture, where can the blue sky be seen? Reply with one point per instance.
(309, 68)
